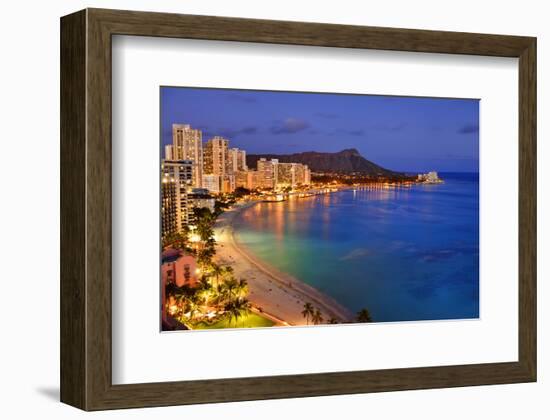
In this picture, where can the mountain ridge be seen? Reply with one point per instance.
(344, 161)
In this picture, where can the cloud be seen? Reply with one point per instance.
(358, 133)
(468, 129)
(389, 127)
(249, 130)
(289, 126)
(232, 132)
(242, 97)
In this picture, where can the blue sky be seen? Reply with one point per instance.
(399, 133)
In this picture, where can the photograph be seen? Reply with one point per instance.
(285, 209)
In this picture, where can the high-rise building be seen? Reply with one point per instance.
(237, 160)
(268, 172)
(241, 179)
(255, 180)
(228, 183)
(299, 174)
(187, 145)
(286, 175)
(168, 207)
(241, 160)
(216, 156)
(199, 198)
(249, 179)
(233, 161)
(307, 175)
(169, 152)
(176, 179)
(212, 183)
(292, 174)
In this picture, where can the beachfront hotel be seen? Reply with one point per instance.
(249, 179)
(268, 172)
(272, 174)
(221, 169)
(237, 160)
(187, 145)
(219, 164)
(292, 174)
(201, 198)
(176, 179)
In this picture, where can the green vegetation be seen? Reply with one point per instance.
(317, 318)
(241, 192)
(178, 241)
(308, 312)
(364, 315)
(218, 298)
(251, 320)
(313, 314)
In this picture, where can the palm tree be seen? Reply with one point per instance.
(210, 242)
(221, 293)
(332, 321)
(236, 309)
(177, 240)
(231, 310)
(191, 306)
(231, 287)
(307, 312)
(217, 271)
(204, 257)
(204, 295)
(364, 315)
(204, 221)
(244, 308)
(181, 300)
(242, 288)
(317, 317)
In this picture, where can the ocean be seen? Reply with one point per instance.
(404, 254)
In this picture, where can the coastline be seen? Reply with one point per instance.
(280, 296)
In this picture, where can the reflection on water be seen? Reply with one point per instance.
(405, 253)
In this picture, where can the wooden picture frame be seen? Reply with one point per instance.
(86, 208)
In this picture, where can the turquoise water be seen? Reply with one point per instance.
(405, 254)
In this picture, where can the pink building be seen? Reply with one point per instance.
(178, 268)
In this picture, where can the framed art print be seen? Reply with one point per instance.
(295, 227)
(261, 209)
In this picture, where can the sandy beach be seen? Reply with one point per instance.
(279, 295)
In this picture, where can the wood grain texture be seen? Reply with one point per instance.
(86, 209)
(73, 212)
(98, 209)
(302, 33)
(528, 209)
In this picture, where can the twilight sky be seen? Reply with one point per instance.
(399, 133)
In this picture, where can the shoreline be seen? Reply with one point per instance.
(280, 296)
